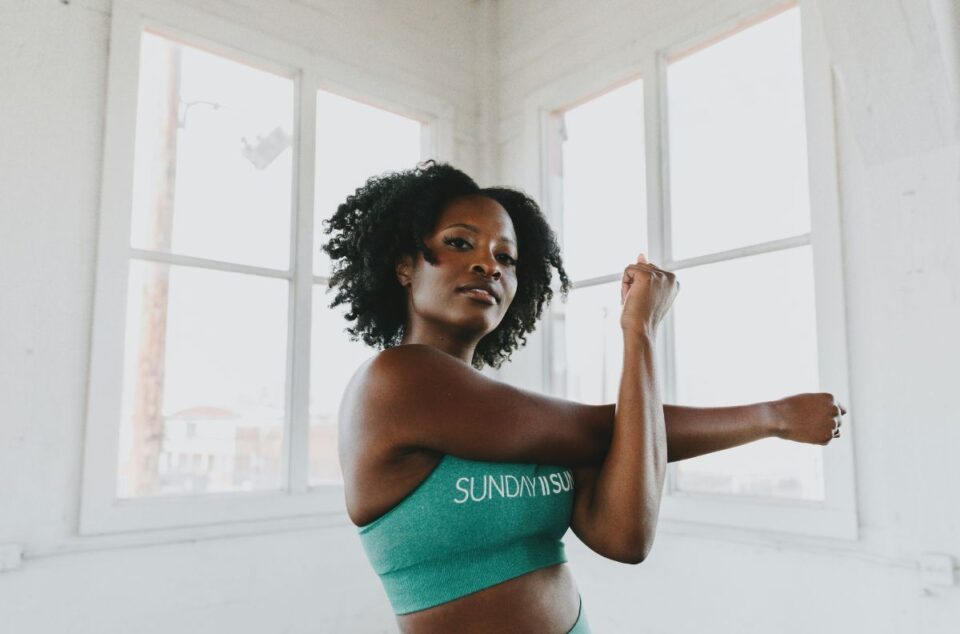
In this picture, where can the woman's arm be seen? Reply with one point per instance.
(616, 512)
(695, 431)
(690, 431)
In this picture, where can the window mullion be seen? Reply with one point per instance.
(298, 431)
(657, 159)
(551, 145)
(658, 214)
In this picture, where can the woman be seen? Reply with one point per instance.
(462, 486)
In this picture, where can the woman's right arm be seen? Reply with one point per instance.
(616, 508)
(416, 397)
(615, 511)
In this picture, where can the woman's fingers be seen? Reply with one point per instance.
(648, 266)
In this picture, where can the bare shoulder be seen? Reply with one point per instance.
(375, 401)
(376, 473)
(359, 419)
(377, 380)
(401, 363)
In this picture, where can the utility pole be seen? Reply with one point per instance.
(148, 419)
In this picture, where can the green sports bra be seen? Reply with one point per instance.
(469, 525)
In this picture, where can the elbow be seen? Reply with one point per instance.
(636, 556)
(634, 552)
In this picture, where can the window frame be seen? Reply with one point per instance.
(297, 504)
(699, 513)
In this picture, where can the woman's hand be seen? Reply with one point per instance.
(811, 418)
(646, 294)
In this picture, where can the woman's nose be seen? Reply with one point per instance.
(488, 267)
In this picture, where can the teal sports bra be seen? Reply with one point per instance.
(469, 525)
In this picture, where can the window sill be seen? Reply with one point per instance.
(82, 544)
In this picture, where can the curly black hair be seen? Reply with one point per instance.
(390, 214)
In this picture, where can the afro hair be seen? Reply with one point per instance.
(390, 214)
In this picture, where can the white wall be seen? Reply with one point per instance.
(53, 63)
(900, 203)
(900, 196)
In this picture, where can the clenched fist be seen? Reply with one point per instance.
(646, 293)
(812, 418)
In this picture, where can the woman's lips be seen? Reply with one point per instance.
(479, 295)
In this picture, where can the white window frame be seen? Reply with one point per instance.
(298, 505)
(704, 514)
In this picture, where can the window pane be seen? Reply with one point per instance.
(746, 332)
(213, 165)
(737, 141)
(588, 348)
(334, 358)
(204, 382)
(354, 142)
(604, 184)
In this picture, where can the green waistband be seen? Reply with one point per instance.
(430, 583)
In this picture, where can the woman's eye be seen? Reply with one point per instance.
(455, 241)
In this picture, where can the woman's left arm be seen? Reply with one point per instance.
(695, 431)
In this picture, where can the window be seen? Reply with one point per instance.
(217, 365)
(735, 211)
(739, 197)
(205, 344)
(354, 141)
(603, 227)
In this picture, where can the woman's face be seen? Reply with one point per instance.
(484, 252)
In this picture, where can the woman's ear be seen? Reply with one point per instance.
(404, 269)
